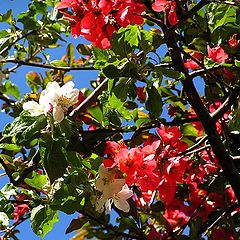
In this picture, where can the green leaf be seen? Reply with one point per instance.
(220, 15)
(52, 151)
(10, 88)
(188, 129)
(76, 224)
(111, 71)
(84, 49)
(67, 199)
(131, 35)
(237, 63)
(154, 101)
(168, 72)
(42, 220)
(7, 17)
(33, 81)
(70, 54)
(96, 113)
(25, 126)
(10, 147)
(36, 180)
(234, 124)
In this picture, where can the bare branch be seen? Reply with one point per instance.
(43, 65)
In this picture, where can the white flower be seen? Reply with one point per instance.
(55, 99)
(113, 191)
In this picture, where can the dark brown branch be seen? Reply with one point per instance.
(42, 65)
(225, 160)
(206, 228)
(109, 227)
(30, 167)
(91, 98)
(6, 99)
(224, 107)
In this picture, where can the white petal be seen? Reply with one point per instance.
(108, 205)
(121, 204)
(34, 108)
(58, 114)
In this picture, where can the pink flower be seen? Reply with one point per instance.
(217, 54)
(191, 64)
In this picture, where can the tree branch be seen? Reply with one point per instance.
(42, 65)
(225, 160)
(14, 42)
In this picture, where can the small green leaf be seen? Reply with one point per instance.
(70, 54)
(154, 101)
(36, 180)
(33, 81)
(76, 224)
(52, 151)
(10, 147)
(42, 220)
(111, 71)
(84, 49)
(10, 88)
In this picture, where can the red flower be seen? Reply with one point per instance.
(97, 20)
(217, 54)
(191, 64)
(129, 161)
(233, 42)
(19, 211)
(167, 6)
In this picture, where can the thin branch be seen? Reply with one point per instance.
(109, 226)
(14, 42)
(210, 225)
(227, 2)
(224, 107)
(91, 98)
(200, 72)
(43, 65)
(189, 14)
(6, 99)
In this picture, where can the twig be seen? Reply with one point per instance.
(91, 98)
(224, 107)
(197, 209)
(110, 227)
(189, 14)
(42, 65)
(208, 227)
(14, 42)
(227, 2)
(6, 99)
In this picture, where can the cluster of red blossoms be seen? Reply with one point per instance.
(159, 169)
(96, 20)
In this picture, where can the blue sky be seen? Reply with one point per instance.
(81, 79)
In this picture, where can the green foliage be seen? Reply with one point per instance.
(43, 219)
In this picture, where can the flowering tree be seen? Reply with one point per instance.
(142, 142)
